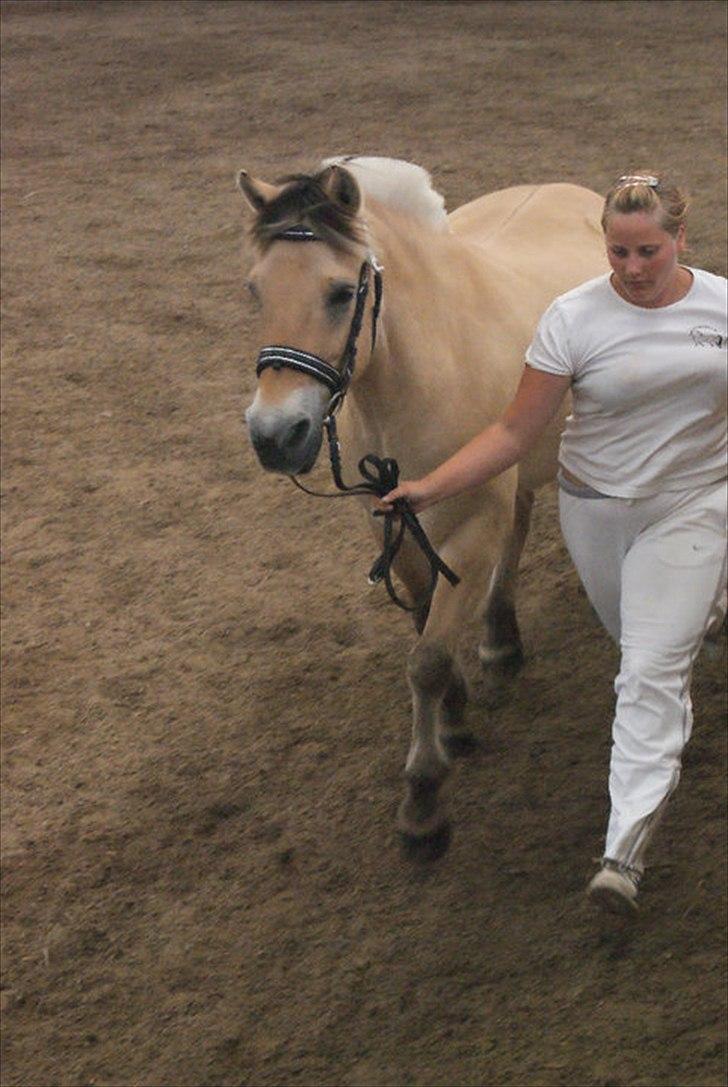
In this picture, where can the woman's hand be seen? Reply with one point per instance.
(419, 493)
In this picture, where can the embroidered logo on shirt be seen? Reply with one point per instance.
(707, 336)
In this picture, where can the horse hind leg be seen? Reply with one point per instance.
(501, 647)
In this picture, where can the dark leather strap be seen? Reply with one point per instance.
(380, 476)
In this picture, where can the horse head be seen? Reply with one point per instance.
(310, 285)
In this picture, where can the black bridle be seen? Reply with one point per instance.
(380, 475)
(336, 379)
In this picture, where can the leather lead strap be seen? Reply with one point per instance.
(380, 476)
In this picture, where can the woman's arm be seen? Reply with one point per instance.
(493, 450)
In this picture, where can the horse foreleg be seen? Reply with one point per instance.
(501, 645)
(423, 819)
(439, 693)
(455, 737)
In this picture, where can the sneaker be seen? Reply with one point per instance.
(614, 888)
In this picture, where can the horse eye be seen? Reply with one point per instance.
(252, 289)
(341, 296)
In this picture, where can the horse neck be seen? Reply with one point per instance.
(425, 319)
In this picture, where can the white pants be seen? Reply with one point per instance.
(654, 570)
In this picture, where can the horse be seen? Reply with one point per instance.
(438, 354)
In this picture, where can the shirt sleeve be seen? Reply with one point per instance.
(549, 350)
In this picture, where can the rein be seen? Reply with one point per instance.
(379, 474)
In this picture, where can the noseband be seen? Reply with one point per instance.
(380, 474)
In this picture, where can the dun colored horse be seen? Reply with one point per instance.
(460, 297)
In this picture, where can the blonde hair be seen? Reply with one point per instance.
(650, 193)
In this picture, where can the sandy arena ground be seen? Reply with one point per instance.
(205, 707)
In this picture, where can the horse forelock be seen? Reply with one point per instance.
(303, 202)
(398, 184)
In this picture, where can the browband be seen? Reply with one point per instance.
(298, 233)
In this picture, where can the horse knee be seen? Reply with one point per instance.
(435, 676)
(429, 669)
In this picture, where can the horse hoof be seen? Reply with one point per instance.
(460, 744)
(425, 848)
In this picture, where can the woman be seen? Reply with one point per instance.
(642, 486)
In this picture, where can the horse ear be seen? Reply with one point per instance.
(257, 193)
(341, 187)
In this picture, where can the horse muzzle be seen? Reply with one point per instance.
(286, 440)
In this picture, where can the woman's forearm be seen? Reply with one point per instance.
(488, 454)
(495, 449)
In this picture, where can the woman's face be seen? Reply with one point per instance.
(644, 258)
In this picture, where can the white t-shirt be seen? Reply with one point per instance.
(649, 386)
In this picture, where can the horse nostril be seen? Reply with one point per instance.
(264, 445)
(299, 432)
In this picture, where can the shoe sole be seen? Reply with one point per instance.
(612, 901)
